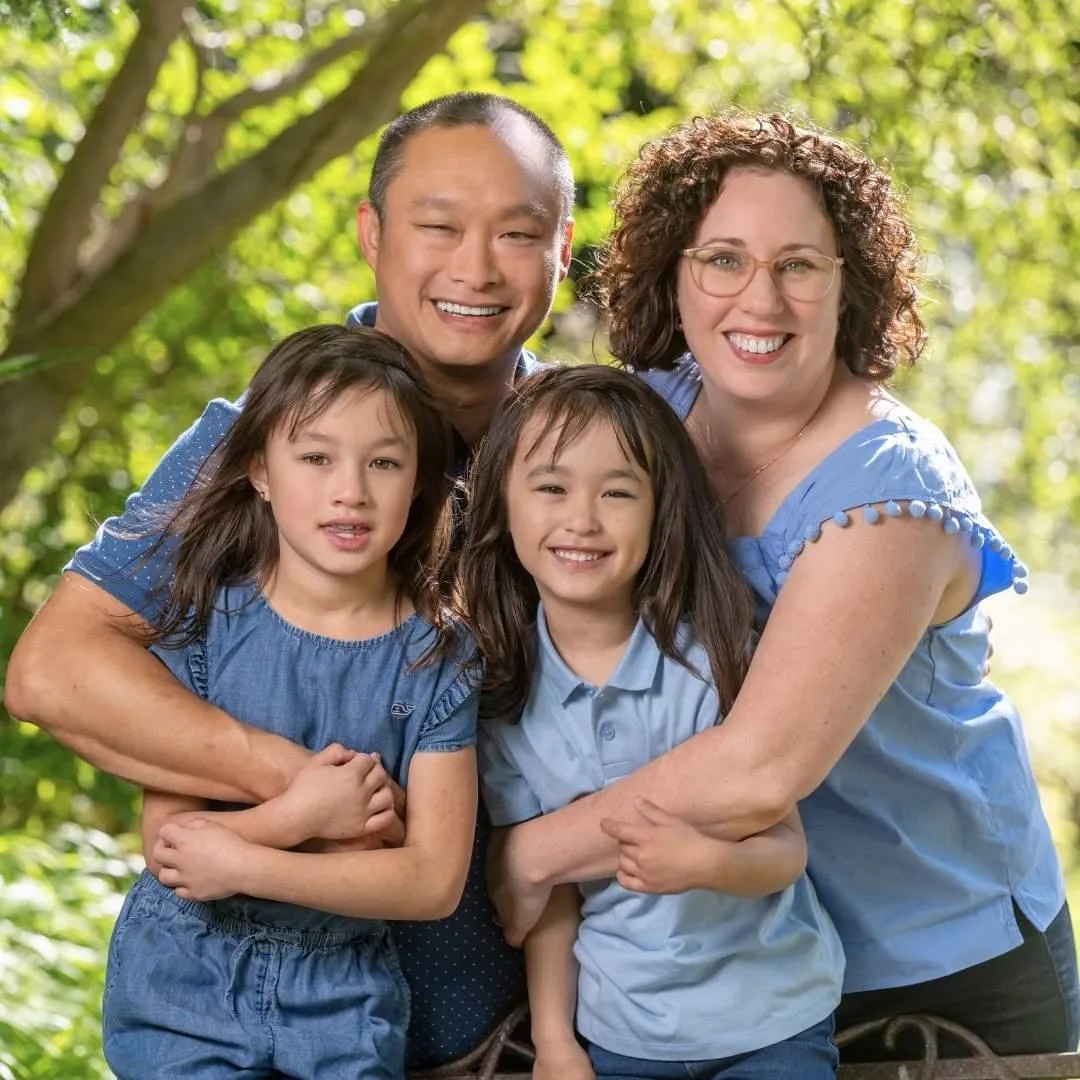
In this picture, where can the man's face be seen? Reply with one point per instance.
(471, 246)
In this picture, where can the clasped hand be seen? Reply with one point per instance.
(658, 853)
(341, 799)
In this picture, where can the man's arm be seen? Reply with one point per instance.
(81, 672)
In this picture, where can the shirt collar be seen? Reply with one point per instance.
(636, 671)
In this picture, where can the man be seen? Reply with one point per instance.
(468, 232)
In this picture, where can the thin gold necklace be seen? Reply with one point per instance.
(731, 495)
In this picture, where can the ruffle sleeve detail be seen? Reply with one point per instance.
(895, 468)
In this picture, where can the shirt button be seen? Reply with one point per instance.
(607, 731)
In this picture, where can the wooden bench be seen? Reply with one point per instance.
(508, 1048)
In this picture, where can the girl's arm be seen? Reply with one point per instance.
(849, 616)
(666, 854)
(423, 879)
(552, 972)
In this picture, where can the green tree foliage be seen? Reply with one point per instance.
(58, 901)
(979, 117)
(177, 187)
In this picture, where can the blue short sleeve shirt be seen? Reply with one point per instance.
(693, 976)
(929, 827)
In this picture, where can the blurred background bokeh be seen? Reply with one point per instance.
(178, 182)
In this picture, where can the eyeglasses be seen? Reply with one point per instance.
(723, 271)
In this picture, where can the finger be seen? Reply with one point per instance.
(163, 854)
(334, 754)
(632, 882)
(169, 876)
(376, 780)
(653, 814)
(377, 822)
(623, 831)
(381, 802)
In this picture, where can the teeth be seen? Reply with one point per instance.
(757, 344)
(345, 528)
(578, 556)
(462, 309)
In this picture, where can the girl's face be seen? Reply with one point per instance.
(761, 345)
(340, 488)
(580, 522)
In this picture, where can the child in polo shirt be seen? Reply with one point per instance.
(613, 626)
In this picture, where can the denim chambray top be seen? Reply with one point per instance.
(463, 977)
(315, 690)
(929, 827)
(689, 976)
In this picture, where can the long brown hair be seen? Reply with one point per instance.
(687, 577)
(224, 533)
(676, 178)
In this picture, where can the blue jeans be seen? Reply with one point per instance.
(1026, 1001)
(810, 1055)
(192, 993)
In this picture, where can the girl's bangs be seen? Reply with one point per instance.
(570, 416)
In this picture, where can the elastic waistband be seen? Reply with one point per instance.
(217, 919)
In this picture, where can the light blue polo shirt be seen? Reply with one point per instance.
(693, 976)
(928, 829)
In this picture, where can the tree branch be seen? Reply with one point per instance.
(101, 311)
(52, 263)
(168, 248)
(195, 157)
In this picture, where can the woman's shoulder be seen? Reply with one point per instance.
(678, 385)
(896, 456)
(899, 465)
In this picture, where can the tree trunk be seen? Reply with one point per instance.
(97, 314)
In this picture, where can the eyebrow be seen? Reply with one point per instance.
(736, 242)
(311, 435)
(551, 469)
(526, 209)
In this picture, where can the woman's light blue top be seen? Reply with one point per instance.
(929, 827)
(692, 976)
(317, 690)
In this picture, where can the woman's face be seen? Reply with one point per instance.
(760, 345)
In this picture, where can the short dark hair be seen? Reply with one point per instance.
(674, 180)
(465, 109)
(687, 578)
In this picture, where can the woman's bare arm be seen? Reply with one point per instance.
(848, 618)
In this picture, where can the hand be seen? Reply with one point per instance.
(661, 853)
(200, 859)
(393, 836)
(339, 794)
(562, 1061)
(518, 902)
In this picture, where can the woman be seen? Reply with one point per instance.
(762, 277)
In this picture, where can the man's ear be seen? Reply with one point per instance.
(367, 232)
(566, 250)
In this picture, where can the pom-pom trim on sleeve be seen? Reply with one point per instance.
(953, 522)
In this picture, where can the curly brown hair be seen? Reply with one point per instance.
(668, 188)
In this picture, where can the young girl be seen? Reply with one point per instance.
(613, 626)
(301, 603)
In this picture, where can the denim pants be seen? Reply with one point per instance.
(1026, 1001)
(192, 993)
(810, 1055)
